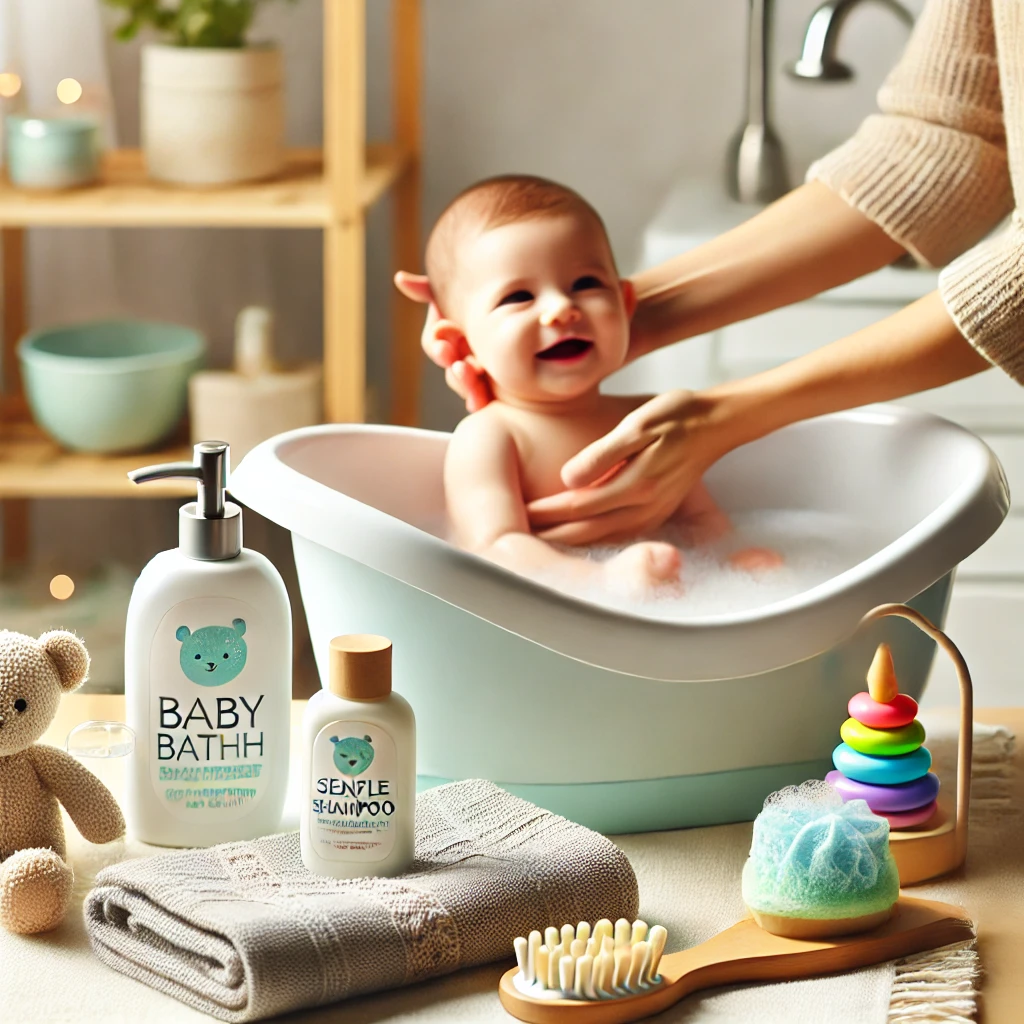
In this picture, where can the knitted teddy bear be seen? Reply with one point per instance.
(35, 880)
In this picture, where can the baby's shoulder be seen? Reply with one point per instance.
(490, 421)
(483, 431)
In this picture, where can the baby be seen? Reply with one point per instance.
(523, 274)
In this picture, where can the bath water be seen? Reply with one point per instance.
(815, 545)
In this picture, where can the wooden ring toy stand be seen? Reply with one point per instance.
(939, 846)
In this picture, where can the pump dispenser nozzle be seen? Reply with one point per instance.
(209, 528)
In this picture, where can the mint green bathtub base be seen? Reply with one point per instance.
(696, 801)
(472, 706)
(656, 805)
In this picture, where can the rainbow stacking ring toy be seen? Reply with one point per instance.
(882, 759)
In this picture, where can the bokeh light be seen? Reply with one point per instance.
(69, 90)
(62, 587)
(10, 84)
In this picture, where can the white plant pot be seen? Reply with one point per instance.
(212, 116)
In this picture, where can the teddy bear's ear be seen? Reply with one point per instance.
(334, 739)
(367, 739)
(69, 657)
(239, 625)
(181, 632)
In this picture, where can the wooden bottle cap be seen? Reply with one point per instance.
(882, 683)
(360, 666)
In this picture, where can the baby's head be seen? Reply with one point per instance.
(521, 268)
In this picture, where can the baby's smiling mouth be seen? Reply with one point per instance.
(567, 350)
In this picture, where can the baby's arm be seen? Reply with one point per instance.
(485, 499)
(485, 504)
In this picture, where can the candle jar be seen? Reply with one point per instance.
(51, 152)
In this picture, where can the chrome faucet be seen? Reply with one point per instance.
(818, 61)
(756, 164)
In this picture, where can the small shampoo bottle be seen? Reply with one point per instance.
(358, 766)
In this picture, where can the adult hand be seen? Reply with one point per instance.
(462, 372)
(630, 481)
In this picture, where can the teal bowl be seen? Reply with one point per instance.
(51, 153)
(114, 386)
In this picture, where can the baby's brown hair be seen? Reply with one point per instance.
(490, 204)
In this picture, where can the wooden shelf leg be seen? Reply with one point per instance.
(17, 537)
(407, 319)
(12, 252)
(15, 511)
(344, 323)
(344, 251)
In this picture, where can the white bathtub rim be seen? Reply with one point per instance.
(717, 647)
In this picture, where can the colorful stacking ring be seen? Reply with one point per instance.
(883, 742)
(881, 771)
(901, 710)
(907, 819)
(886, 799)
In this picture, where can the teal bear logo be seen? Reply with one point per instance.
(352, 756)
(213, 655)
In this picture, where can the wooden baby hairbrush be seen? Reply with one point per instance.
(742, 953)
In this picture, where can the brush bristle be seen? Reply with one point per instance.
(590, 963)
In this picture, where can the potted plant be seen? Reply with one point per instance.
(212, 105)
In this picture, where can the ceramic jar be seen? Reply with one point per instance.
(212, 116)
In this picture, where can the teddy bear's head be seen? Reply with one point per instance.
(33, 676)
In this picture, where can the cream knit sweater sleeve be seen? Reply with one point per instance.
(932, 168)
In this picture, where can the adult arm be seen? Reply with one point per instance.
(807, 242)
(929, 174)
(673, 439)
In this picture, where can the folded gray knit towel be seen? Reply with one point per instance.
(243, 931)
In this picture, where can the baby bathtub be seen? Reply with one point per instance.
(620, 721)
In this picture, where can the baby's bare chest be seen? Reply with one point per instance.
(545, 444)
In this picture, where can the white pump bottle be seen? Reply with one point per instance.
(208, 663)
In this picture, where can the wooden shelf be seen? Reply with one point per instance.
(328, 189)
(33, 466)
(125, 197)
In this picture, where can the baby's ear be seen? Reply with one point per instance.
(628, 297)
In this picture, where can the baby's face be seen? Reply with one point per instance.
(542, 306)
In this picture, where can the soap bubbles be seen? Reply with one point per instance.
(814, 856)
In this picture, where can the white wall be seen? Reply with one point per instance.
(617, 99)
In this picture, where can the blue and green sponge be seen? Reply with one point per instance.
(814, 857)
